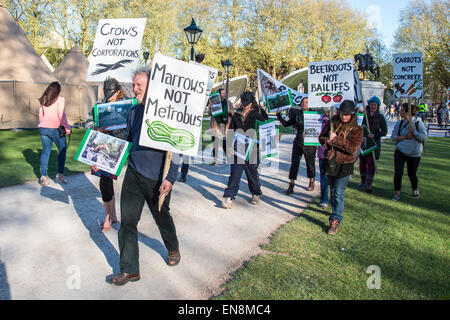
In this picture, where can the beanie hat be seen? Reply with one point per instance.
(376, 100)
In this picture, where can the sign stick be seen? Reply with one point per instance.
(165, 172)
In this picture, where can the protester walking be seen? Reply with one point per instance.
(341, 138)
(144, 183)
(244, 121)
(378, 129)
(113, 92)
(323, 203)
(409, 135)
(299, 149)
(51, 116)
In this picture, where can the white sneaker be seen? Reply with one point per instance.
(227, 203)
(416, 193)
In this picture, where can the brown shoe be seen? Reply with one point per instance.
(173, 258)
(122, 278)
(333, 227)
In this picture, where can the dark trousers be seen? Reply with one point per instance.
(310, 158)
(251, 171)
(185, 166)
(106, 188)
(399, 163)
(367, 169)
(136, 190)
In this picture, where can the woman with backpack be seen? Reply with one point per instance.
(409, 135)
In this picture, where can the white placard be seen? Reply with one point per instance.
(117, 48)
(243, 145)
(330, 83)
(212, 74)
(408, 75)
(267, 134)
(269, 86)
(174, 106)
(312, 126)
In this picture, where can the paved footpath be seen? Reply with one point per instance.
(51, 246)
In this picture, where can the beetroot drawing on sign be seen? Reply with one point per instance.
(328, 96)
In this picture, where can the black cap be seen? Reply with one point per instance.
(347, 107)
(247, 97)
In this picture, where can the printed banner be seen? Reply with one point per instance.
(106, 152)
(216, 104)
(174, 107)
(243, 145)
(212, 74)
(116, 50)
(330, 83)
(268, 86)
(313, 125)
(279, 101)
(267, 136)
(408, 75)
(113, 115)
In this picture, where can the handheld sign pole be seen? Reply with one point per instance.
(165, 172)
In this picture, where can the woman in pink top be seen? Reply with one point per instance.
(51, 116)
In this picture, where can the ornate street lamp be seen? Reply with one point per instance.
(227, 66)
(193, 33)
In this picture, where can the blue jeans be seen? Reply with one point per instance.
(323, 183)
(48, 136)
(338, 187)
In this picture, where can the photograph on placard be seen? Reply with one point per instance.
(113, 115)
(106, 152)
(279, 101)
(216, 104)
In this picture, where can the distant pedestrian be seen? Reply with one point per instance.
(341, 138)
(51, 116)
(409, 135)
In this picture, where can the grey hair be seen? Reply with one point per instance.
(142, 70)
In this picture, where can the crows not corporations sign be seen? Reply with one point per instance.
(174, 107)
(408, 75)
(116, 49)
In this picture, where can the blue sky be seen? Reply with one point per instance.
(385, 14)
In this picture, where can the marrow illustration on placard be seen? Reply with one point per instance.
(178, 138)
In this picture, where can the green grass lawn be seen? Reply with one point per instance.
(21, 152)
(407, 240)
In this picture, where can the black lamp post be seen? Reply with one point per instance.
(227, 66)
(193, 33)
(146, 54)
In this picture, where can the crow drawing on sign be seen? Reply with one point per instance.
(102, 68)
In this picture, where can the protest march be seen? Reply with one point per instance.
(154, 124)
